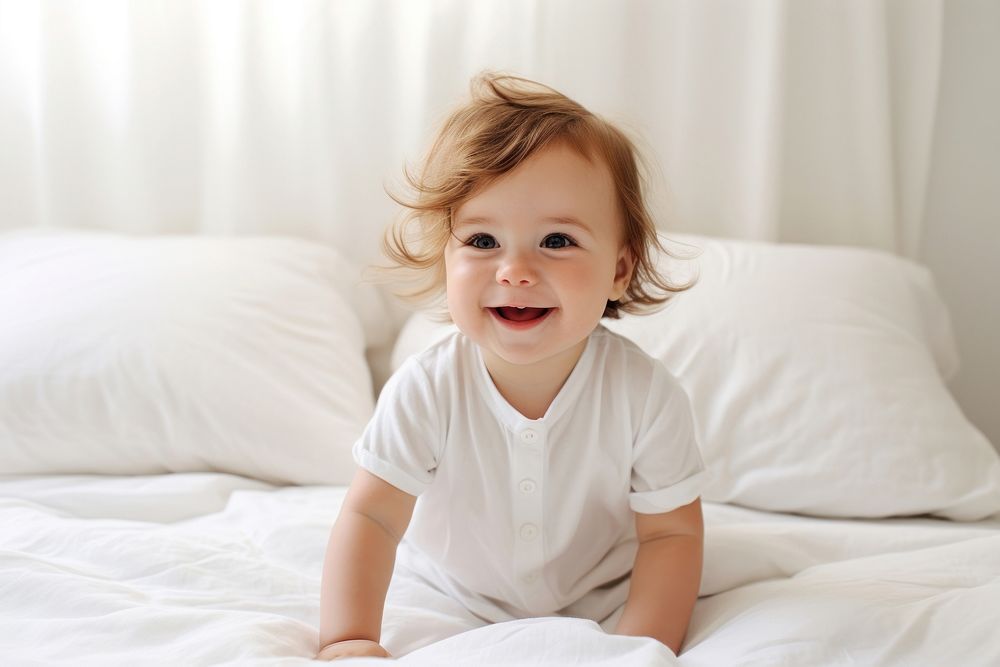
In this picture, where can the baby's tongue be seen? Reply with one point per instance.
(521, 314)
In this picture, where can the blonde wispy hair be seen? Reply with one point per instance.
(507, 120)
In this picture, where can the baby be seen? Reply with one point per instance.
(537, 463)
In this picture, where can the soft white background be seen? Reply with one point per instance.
(867, 122)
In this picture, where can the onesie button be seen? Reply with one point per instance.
(528, 532)
(528, 436)
(527, 486)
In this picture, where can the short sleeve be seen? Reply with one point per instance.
(401, 443)
(667, 468)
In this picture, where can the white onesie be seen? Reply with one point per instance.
(519, 517)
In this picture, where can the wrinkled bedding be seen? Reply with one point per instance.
(204, 568)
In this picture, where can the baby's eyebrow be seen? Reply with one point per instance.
(568, 220)
(561, 219)
(473, 221)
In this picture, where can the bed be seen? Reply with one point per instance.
(176, 416)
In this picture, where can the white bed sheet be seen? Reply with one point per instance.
(201, 569)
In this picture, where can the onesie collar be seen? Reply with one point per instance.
(513, 419)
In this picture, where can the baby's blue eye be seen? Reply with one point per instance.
(557, 241)
(483, 242)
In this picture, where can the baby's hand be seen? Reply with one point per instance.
(352, 648)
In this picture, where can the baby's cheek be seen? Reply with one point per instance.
(459, 272)
(461, 298)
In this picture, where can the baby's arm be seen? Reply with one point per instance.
(666, 576)
(358, 566)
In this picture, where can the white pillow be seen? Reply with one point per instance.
(816, 377)
(126, 355)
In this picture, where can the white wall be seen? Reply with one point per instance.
(962, 238)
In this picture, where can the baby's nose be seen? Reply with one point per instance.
(516, 271)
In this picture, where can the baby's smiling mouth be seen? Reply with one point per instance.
(516, 314)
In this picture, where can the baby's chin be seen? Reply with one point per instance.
(533, 357)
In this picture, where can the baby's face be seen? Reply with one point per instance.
(546, 237)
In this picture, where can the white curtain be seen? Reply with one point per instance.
(790, 120)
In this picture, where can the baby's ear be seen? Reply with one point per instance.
(623, 273)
